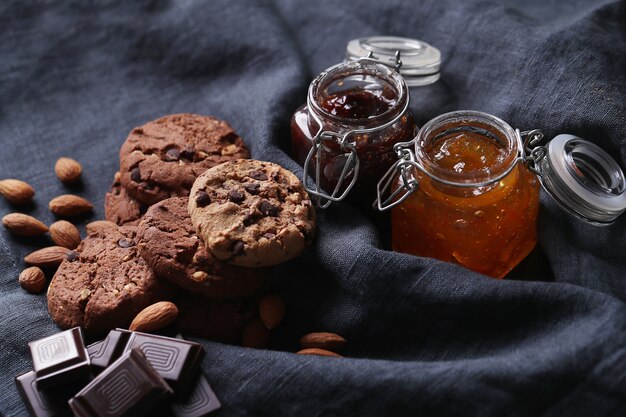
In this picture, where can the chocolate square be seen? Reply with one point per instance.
(129, 387)
(200, 402)
(105, 352)
(51, 402)
(60, 358)
(176, 360)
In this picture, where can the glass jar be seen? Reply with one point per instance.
(469, 190)
(355, 112)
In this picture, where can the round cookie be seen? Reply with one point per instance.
(252, 213)
(104, 283)
(168, 243)
(119, 207)
(162, 158)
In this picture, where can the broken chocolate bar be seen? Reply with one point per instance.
(129, 387)
(177, 361)
(60, 358)
(105, 352)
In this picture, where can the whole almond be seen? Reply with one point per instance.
(23, 225)
(255, 335)
(154, 317)
(68, 170)
(65, 234)
(323, 340)
(68, 205)
(318, 352)
(272, 310)
(33, 280)
(16, 191)
(47, 257)
(98, 225)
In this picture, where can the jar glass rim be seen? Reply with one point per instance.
(345, 69)
(480, 122)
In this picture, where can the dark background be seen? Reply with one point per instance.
(426, 338)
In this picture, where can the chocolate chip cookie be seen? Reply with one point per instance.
(252, 213)
(119, 207)
(170, 246)
(104, 283)
(162, 158)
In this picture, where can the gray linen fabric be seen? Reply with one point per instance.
(426, 338)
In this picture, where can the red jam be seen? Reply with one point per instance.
(354, 105)
(358, 104)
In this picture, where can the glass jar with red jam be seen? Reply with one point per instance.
(466, 190)
(355, 113)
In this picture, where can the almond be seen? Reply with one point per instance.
(318, 352)
(323, 340)
(47, 257)
(98, 225)
(65, 234)
(69, 205)
(33, 280)
(16, 191)
(255, 335)
(68, 170)
(154, 317)
(230, 150)
(23, 225)
(272, 310)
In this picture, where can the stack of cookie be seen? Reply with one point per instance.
(194, 222)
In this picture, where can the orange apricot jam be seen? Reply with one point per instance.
(489, 228)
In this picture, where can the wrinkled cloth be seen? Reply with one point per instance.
(425, 337)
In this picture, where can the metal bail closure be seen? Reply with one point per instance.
(417, 61)
(399, 176)
(316, 155)
(583, 179)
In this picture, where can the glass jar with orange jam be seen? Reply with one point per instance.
(468, 192)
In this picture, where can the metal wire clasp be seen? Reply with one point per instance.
(352, 164)
(400, 171)
(531, 152)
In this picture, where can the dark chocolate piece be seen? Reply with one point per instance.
(60, 358)
(129, 387)
(203, 199)
(177, 361)
(51, 402)
(200, 403)
(105, 352)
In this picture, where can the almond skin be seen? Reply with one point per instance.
(47, 257)
(154, 317)
(23, 225)
(16, 191)
(98, 225)
(33, 280)
(323, 340)
(65, 234)
(68, 170)
(318, 352)
(69, 205)
(272, 310)
(255, 335)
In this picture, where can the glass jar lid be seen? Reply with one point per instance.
(583, 179)
(420, 62)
